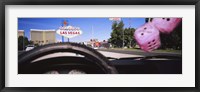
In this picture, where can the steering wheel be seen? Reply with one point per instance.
(25, 59)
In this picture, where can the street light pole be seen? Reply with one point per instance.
(92, 36)
(123, 40)
(92, 32)
(23, 40)
(130, 29)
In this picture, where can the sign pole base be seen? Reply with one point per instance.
(62, 38)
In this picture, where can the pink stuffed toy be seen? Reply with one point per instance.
(166, 25)
(147, 36)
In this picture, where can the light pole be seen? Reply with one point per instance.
(123, 40)
(23, 40)
(92, 32)
(130, 29)
(92, 37)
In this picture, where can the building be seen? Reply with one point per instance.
(91, 43)
(95, 43)
(20, 33)
(42, 37)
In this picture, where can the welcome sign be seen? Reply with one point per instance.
(69, 31)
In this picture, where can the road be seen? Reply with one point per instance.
(118, 55)
(115, 54)
(105, 53)
(140, 53)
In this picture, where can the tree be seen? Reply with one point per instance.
(129, 38)
(117, 34)
(22, 42)
(172, 40)
(31, 42)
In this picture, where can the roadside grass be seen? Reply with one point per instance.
(158, 50)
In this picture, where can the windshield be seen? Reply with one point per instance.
(123, 45)
(115, 37)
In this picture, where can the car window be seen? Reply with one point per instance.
(112, 36)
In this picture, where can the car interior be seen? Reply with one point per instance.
(87, 60)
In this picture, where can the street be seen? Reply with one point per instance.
(113, 54)
(140, 53)
(105, 53)
(117, 54)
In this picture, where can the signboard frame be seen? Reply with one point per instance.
(99, 2)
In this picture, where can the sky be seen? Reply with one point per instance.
(102, 27)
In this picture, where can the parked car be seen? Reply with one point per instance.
(29, 47)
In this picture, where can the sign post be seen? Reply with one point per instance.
(68, 31)
(62, 38)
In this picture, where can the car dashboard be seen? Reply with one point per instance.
(81, 65)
